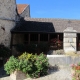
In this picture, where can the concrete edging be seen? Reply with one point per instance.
(63, 59)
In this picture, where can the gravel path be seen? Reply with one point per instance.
(64, 73)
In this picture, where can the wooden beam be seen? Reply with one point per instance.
(11, 43)
(77, 42)
(38, 38)
(48, 37)
(58, 41)
(58, 37)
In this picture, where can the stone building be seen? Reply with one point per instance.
(7, 20)
(62, 33)
(10, 13)
(16, 27)
(23, 10)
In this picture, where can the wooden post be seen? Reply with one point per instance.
(29, 38)
(58, 41)
(48, 40)
(11, 43)
(48, 37)
(58, 36)
(38, 38)
(77, 42)
(38, 42)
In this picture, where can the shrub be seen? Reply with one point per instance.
(11, 65)
(27, 56)
(31, 65)
(26, 63)
(76, 71)
(41, 64)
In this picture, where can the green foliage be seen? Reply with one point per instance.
(42, 64)
(31, 65)
(76, 75)
(11, 65)
(25, 66)
(79, 64)
(27, 56)
(76, 71)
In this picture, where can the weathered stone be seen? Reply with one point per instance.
(18, 75)
(69, 29)
(69, 44)
(69, 35)
(69, 40)
(62, 60)
(7, 20)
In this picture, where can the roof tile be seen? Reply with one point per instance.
(21, 8)
(46, 25)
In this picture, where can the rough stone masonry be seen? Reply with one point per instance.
(7, 20)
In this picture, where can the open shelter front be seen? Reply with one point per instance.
(44, 34)
(35, 37)
(37, 42)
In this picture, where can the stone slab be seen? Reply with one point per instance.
(66, 40)
(69, 44)
(63, 60)
(70, 35)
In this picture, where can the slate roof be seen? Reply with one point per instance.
(21, 8)
(46, 25)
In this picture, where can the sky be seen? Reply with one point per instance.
(65, 9)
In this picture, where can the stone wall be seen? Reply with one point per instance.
(5, 35)
(69, 40)
(7, 20)
(62, 60)
(8, 9)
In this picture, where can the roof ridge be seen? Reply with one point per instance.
(53, 19)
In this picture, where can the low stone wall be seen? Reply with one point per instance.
(63, 60)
